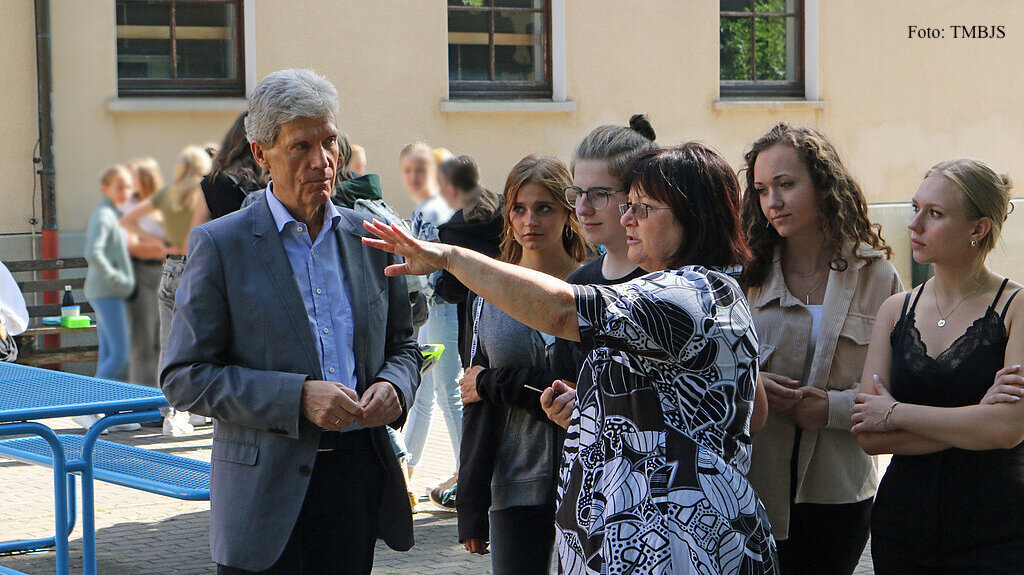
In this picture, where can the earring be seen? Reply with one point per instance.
(974, 242)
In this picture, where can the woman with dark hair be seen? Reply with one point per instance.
(234, 175)
(819, 273)
(652, 477)
(477, 224)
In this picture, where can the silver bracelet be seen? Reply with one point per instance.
(888, 415)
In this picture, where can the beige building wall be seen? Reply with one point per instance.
(894, 106)
(18, 119)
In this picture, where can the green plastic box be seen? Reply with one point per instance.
(76, 321)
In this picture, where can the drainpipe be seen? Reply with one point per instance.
(44, 84)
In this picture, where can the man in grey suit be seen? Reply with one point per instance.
(288, 334)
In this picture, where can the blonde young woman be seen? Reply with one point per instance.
(109, 281)
(941, 391)
(147, 263)
(440, 385)
(176, 205)
(819, 273)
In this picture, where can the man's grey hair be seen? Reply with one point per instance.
(284, 96)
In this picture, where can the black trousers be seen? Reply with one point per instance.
(522, 539)
(825, 539)
(337, 527)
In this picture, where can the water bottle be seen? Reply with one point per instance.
(68, 298)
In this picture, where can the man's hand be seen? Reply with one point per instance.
(477, 546)
(783, 393)
(380, 405)
(558, 402)
(330, 405)
(468, 385)
(811, 414)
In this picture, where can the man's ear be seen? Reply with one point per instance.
(260, 155)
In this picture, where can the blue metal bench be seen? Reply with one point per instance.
(28, 394)
(133, 467)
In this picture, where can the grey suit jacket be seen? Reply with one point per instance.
(239, 350)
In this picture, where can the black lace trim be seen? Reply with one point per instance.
(906, 340)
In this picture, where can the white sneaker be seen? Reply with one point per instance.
(87, 421)
(125, 427)
(176, 424)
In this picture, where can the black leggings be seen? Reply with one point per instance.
(825, 539)
(522, 540)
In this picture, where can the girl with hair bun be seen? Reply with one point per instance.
(941, 390)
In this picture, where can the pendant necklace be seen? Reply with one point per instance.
(942, 318)
(807, 296)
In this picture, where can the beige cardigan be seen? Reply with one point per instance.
(831, 467)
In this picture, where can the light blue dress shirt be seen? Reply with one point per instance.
(322, 285)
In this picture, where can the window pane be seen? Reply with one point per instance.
(735, 6)
(519, 47)
(734, 50)
(538, 4)
(773, 6)
(144, 40)
(206, 40)
(469, 45)
(476, 3)
(776, 49)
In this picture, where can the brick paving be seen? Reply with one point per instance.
(143, 534)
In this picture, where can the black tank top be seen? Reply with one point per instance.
(961, 499)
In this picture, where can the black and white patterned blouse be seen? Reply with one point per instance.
(652, 479)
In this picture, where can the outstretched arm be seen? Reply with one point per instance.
(533, 298)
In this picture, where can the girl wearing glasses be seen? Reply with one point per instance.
(819, 273)
(652, 474)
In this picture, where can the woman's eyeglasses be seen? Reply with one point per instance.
(596, 198)
(639, 210)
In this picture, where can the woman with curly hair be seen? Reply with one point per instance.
(818, 275)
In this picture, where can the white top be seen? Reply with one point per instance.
(815, 321)
(13, 312)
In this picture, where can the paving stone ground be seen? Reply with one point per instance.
(143, 534)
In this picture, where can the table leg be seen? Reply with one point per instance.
(88, 493)
(62, 507)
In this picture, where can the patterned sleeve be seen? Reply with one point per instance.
(654, 316)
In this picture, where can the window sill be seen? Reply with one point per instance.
(506, 106)
(128, 105)
(767, 104)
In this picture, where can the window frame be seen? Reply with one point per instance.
(505, 90)
(768, 88)
(190, 87)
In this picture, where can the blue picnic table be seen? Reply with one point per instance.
(28, 394)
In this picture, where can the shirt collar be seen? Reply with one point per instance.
(774, 286)
(282, 217)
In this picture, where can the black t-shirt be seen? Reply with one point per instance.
(590, 274)
(224, 195)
